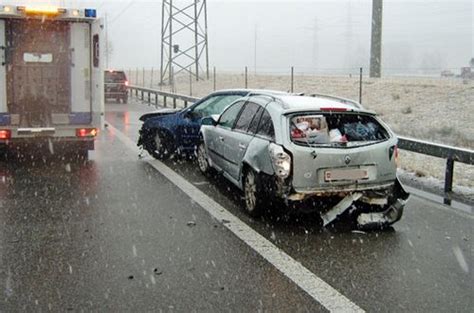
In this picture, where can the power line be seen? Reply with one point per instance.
(123, 11)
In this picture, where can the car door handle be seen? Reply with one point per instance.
(221, 138)
(242, 146)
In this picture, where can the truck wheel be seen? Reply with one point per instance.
(252, 194)
(159, 146)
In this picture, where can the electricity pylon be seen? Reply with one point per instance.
(184, 40)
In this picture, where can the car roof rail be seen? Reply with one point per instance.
(340, 99)
(273, 97)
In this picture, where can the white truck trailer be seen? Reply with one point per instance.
(51, 77)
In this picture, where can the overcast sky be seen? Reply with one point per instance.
(332, 35)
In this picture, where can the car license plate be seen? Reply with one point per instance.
(346, 174)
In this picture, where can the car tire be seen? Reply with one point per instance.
(202, 159)
(252, 195)
(159, 146)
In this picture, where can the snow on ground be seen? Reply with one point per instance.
(434, 109)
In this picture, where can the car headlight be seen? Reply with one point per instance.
(281, 161)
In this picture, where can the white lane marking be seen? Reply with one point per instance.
(317, 288)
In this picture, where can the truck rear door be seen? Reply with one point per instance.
(4, 117)
(97, 57)
(38, 72)
(80, 51)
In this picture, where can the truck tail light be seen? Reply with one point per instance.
(86, 132)
(126, 83)
(5, 134)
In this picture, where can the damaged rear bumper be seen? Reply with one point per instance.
(380, 219)
(371, 212)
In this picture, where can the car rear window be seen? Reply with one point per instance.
(336, 129)
(115, 77)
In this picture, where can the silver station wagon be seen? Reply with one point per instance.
(296, 148)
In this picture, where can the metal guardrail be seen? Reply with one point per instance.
(140, 93)
(450, 153)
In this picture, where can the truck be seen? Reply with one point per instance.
(51, 77)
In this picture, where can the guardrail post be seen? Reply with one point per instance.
(185, 104)
(143, 96)
(448, 179)
(149, 97)
(214, 77)
(174, 103)
(165, 100)
(292, 78)
(156, 99)
(246, 78)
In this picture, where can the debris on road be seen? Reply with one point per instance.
(340, 208)
(191, 223)
(157, 271)
(131, 277)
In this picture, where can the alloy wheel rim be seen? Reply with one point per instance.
(202, 161)
(157, 141)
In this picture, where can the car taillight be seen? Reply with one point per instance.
(393, 153)
(5, 134)
(397, 159)
(86, 132)
(281, 160)
(297, 133)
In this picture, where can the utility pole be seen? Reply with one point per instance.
(376, 42)
(189, 19)
(348, 35)
(255, 51)
(106, 42)
(315, 45)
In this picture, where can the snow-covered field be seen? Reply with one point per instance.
(433, 109)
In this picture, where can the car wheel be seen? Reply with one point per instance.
(253, 198)
(202, 159)
(125, 99)
(159, 146)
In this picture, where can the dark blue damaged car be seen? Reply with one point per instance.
(169, 131)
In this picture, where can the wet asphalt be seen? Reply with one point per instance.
(113, 234)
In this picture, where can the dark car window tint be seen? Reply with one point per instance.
(228, 117)
(254, 124)
(114, 77)
(265, 127)
(214, 105)
(246, 117)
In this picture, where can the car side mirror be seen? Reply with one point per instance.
(209, 120)
(189, 114)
